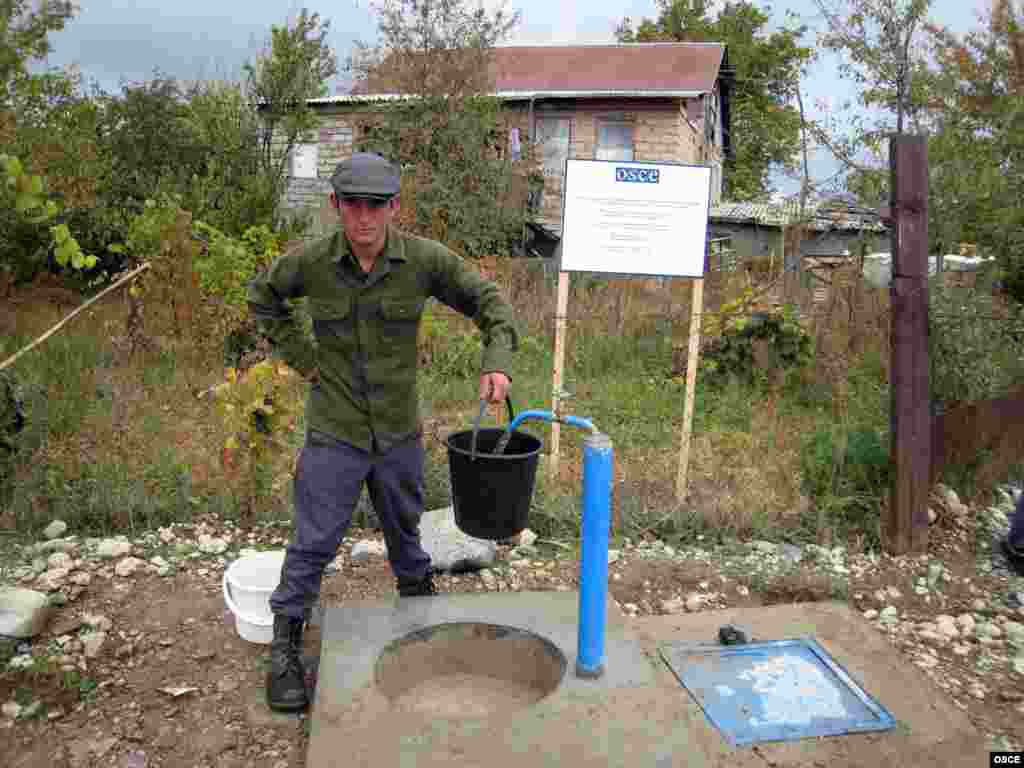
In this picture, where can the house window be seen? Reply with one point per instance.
(304, 161)
(614, 141)
(553, 136)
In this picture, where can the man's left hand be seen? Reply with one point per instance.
(494, 387)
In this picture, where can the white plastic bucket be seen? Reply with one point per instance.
(248, 583)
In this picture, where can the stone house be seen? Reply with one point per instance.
(657, 102)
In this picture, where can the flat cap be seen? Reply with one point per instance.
(365, 174)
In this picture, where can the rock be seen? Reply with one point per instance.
(97, 621)
(81, 578)
(166, 535)
(966, 623)
(1015, 634)
(21, 661)
(210, 545)
(128, 566)
(675, 605)
(1018, 665)
(630, 607)
(52, 580)
(158, 561)
(764, 547)
(791, 553)
(488, 578)
(93, 643)
(613, 556)
(893, 593)
(527, 538)
(57, 545)
(60, 560)
(23, 612)
(11, 709)
(985, 630)
(926, 661)
(742, 591)
(364, 550)
(946, 625)
(109, 549)
(870, 614)
(934, 574)
(889, 615)
(694, 602)
(961, 649)
(55, 529)
(933, 636)
(978, 604)
(449, 548)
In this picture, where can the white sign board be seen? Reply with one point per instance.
(305, 158)
(635, 218)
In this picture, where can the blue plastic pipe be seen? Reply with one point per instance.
(597, 504)
(597, 491)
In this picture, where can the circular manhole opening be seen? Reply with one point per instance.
(468, 670)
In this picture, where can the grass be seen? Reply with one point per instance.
(128, 446)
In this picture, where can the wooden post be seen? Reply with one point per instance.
(696, 312)
(905, 527)
(556, 384)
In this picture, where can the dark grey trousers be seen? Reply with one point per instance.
(328, 481)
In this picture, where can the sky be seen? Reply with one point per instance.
(117, 41)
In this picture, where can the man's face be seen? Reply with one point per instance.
(365, 220)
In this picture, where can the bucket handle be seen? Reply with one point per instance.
(479, 417)
(259, 621)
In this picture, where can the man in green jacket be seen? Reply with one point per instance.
(365, 287)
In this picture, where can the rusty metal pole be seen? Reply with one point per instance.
(905, 527)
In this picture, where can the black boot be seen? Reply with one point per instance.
(423, 588)
(286, 683)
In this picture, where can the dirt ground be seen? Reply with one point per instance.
(176, 632)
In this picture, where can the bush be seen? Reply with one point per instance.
(750, 347)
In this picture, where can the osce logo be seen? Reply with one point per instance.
(638, 175)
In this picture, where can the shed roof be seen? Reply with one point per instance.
(822, 216)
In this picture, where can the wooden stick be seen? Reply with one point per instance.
(135, 272)
(691, 383)
(556, 385)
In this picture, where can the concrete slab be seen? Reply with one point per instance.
(637, 715)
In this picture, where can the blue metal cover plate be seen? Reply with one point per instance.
(782, 690)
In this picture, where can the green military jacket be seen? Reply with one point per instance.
(365, 329)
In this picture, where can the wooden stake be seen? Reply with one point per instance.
(905, 522)
(556, 384)
(131, 275)
(691, 384)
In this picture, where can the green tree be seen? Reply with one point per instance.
(462, 186)
(294, 69)
(765, 125)
(24, 27)
(976, 151)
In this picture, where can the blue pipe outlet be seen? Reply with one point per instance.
(597, 505)
(597, 491)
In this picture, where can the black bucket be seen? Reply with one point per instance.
(491, 493)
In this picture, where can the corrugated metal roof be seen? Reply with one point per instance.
(519, 96)
(821, 216)
(670, 70)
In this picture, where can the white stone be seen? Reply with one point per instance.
(166, 535)
(60, 560)
(128, 566)
(81, 579)
(932, 516)
(93, 643)
(51, 581)
(894, 594)
(926, 662)
(1015, 634)
(108, 549)
(694, 602)
(613, 556)
(961, 649)
(21, 661)
(933, 636)
(870, 614)
(674, 605)
(631, 607)
(889, 614)
(742, 591)
(55, 530)
(364, 550)
(978, 604)
(158, 561)
(527, 538)
(946, 625)
(211, 545)
(23, 612)
(11, 709)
